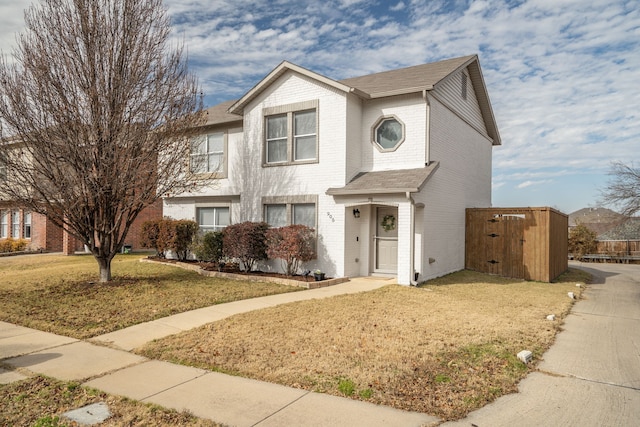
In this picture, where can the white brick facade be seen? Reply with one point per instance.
(438, 127)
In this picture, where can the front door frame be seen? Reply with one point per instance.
(377, 215)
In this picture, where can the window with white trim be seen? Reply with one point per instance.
(4, 224)
(208, 153)
(291, 133)
(282, 214)
(388, 133)
(15, 224)
(214, 218)
(27, 226)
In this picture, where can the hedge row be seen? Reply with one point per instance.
(12, 245)
(247, 243)
(168, 234)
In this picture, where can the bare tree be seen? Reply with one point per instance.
(97, 109)
(623, 189)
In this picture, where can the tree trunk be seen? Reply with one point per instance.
(105, 269)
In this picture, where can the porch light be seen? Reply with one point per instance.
(356, 213)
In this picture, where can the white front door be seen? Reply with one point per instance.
(386, 240)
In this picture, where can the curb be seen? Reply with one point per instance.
(253, 278)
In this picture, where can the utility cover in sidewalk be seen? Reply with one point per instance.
(90, 414)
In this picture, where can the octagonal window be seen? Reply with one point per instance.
(388, 133)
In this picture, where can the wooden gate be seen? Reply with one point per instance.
(497, 245)
(524, 243)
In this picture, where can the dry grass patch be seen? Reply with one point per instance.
(445, 348)
(60, 294)
(39, 401)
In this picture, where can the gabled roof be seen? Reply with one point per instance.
(408, 80)
(628, 230)
(284, 66)
(386, 182)
(595, 215)
(419, 78)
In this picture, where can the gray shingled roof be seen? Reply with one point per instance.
(219, 114)
(386, 182)
(628, 230)
(411, 79)
(594, 215)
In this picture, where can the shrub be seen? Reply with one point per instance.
(169, 234)
(185, 232)
(19, 245)
(149, 234)
(293, 244)
(13, 245)
(246, 242)
(6, 245)
(208, 246)
(582, 241)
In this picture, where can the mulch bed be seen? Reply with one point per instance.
(234, 268)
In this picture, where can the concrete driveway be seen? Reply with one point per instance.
(591, 375)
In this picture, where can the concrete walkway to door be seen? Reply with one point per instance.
(591, 375)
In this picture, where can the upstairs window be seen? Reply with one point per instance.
(208, 153)
(291, 134)
(304, 138)
(388, 133)
(277, 139)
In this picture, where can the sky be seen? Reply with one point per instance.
(562, 75)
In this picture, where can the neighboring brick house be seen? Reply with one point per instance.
(43, 235)
(382, 166)
(39, 232)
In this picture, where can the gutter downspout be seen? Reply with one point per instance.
(412, 240)
(427, 136)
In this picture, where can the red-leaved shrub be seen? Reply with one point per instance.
(293, 244)
(245, 241)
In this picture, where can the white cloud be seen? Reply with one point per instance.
(531, 183)
(561, 74)
(398, 7)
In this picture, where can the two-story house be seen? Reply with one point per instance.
(382, 166)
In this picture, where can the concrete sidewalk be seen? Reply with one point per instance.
(589, 377)
(225, 399)
(591, 374)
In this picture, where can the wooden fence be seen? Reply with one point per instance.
(523, 243)
(621, 251)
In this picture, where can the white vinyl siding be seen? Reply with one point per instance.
(458, 95)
